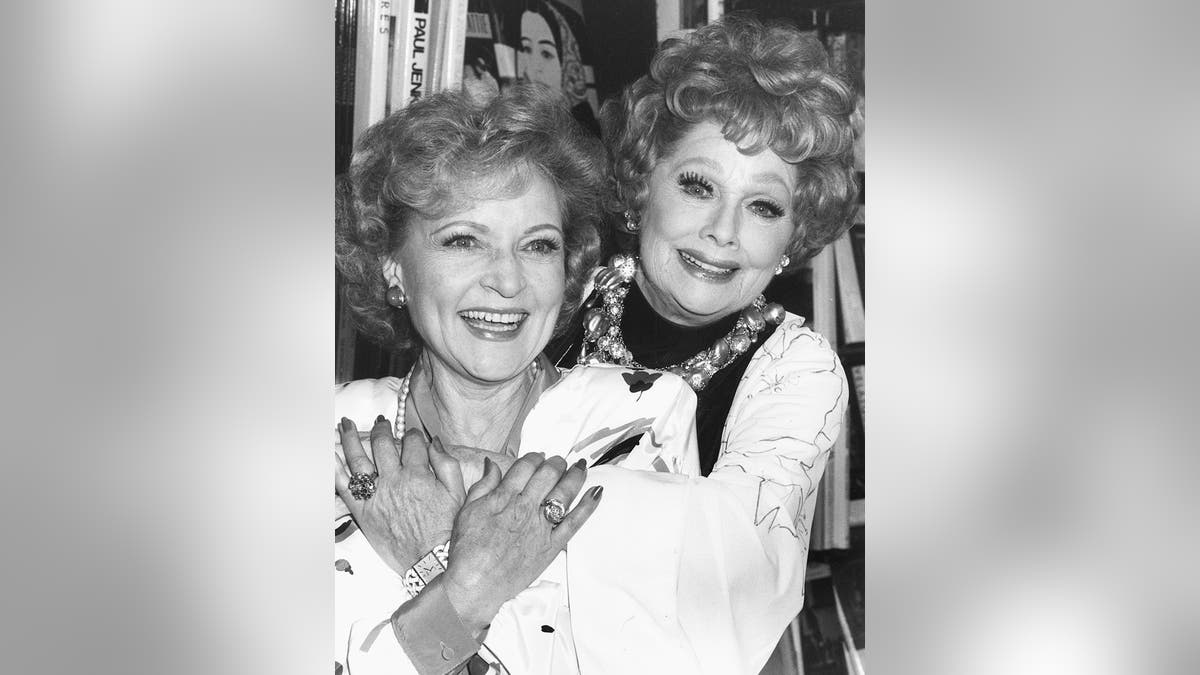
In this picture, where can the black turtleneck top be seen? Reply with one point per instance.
(658, 343)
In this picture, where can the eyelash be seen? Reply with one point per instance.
(772, 209)
(453, 241)
(691, 180)
(551, 246)
(548, 246)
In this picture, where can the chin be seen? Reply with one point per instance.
(499, 371)
(704, 307)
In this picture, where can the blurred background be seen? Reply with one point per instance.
(170, 337)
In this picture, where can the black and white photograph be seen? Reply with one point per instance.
(600, 337)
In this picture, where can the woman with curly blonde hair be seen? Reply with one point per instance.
(733, 161)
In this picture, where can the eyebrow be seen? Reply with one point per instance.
(460, 223)
(544, 226)
(484, 228)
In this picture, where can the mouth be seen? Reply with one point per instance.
(706, 268)
(493, 323)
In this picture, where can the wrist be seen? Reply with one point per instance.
(466, 597)
(427, 568)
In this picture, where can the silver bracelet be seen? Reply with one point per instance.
(426, 569)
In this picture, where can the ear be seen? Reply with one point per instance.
(391, 272)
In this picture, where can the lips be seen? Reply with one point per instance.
(494, 321)
(707, 268)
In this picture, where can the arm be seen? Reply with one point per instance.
(500, 543)
(721, 559)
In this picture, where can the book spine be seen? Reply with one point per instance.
(409, 70)
(371, 63)
(447, 43)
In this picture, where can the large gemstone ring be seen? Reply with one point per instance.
(362, 485)
(554, 511)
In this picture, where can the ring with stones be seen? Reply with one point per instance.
(362, 485)
(554, 510)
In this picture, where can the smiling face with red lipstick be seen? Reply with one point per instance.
(715, 225)
(485, 285)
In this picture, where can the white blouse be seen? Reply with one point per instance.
(674, 572)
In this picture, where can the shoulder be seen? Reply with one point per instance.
(363, 400)
(795, 362)
(794, 344)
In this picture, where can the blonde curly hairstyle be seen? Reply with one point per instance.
(442, 153)
(769, 86)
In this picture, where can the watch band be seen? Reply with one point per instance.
(426, 569)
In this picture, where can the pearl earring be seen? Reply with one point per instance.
(396, 297)
(783, 262)
(631, 224)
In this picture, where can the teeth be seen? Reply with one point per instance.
(705, 266)
(509, 318)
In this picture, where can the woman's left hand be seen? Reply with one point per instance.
(418, 492)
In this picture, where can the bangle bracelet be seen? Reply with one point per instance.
(426, 569)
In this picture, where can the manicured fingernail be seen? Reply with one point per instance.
(597, 492)
(347, 425)
(582, 463)
(380, 420)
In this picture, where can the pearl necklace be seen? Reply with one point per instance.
(604, 343)
(535, 369)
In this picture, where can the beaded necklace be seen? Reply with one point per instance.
(603, 341)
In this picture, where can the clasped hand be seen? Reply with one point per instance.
(418, 492)
(500, 538)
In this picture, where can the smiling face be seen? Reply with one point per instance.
(715, 225)
(485, 285)
(538, 59)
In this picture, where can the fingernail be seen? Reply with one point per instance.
(597, 492)
(347, 425)
(582, 463)
(380, 420)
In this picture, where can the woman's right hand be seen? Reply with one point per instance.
(502, 541)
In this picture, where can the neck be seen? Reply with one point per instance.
(471, 413)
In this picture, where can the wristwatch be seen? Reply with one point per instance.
(426, 569)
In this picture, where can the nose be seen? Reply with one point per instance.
(723, 226)
(505, 276)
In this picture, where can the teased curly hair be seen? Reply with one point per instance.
(769, 86)
(440, 154)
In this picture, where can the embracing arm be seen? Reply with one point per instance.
(500, 542)
(720, 559)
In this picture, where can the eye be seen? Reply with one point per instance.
(463, 241)
(695, 185)
(544, 246)
(548, 54)
(764, 208)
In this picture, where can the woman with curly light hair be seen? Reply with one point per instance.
(732, 162)
(472, 229)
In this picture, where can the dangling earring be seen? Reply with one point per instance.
(631, 224)
(396, 297)
(783, 262)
